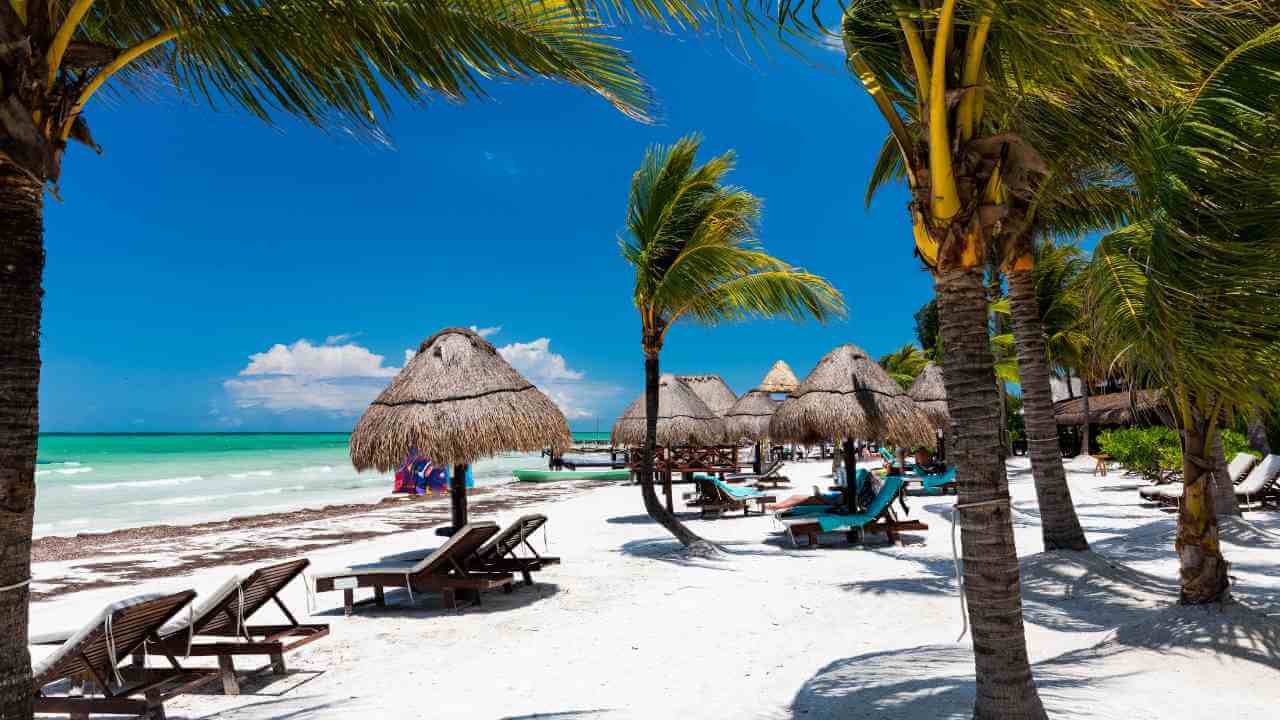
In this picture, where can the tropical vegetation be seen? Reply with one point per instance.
(692, 242)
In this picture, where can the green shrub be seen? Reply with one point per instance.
(1234, 443)
(1148, 451)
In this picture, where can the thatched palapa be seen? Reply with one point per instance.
(455, 402)
(683, 419)
(1111, 409)
(848, 395)
(749, 417)
(930, 395)
(780, 379)
(712, 390)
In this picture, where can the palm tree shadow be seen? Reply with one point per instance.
(930, 681)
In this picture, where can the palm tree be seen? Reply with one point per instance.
(1186, 297)
(691, 240)
(328, 62)
(904, 364)
(948, 78)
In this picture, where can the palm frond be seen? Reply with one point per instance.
(335, 62)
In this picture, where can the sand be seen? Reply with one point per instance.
(627, 628)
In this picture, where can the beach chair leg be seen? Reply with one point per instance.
(379, 596)
(508, 589)
(348, 600)
(227, 670)
(450, 597)
(528, 576)
(277, 664)
(155, 705)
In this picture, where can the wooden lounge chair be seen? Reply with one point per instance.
(90, 659)
(499, 554)
(1171, 493)
(878, 517)
(225, 613)
(921, 483)
(444, 570)
(771, 476)
(1260, 485)
(725, 497)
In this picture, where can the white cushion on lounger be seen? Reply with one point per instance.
(71, 644)
(1260, 477)
(1239, 465)
(202, 606)
(1170, 491)
(405, 567)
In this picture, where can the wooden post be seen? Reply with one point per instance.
(666, 487)
(757, 467)
(458, 496)
(851, 475)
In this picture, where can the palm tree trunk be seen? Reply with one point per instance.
(21, 266)
(1005, 688)
(1224, 492)
(1058, 521)
(652, 504)
(1258, 440)
(1201, 565)
(1084, 429)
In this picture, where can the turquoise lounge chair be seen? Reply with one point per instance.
(730, 497)
(936, 484)
(813, 525)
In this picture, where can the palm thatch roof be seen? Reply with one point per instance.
(930, 395)
(712, 390)
(848, 395)
(779, 379)
(456, 401)
(683, 419)
(749, 417)
(1111, 409)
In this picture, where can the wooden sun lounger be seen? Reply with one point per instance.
(769, 476)
(717, 502)
(444, 570)
(90, 659)
(498, 555)
(878, 518)
(225, 614)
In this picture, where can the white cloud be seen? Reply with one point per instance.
(486, 332)
(333, 378)
(568, 388)
(341, 338)
(324, 361)
(536, 361)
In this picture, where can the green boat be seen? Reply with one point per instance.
(554, 475)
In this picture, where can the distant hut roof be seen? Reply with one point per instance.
(849, 395)
(683, 419)
(456, 401)
(1111, 409)
(749, 417)
(780, 379)
(712, 390)
(930, 395)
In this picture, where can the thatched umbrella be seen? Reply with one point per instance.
(712, 390)
(456, 401)
(780, 379)
(749, 418)
(930, 395)
(683, 419)
(849, 395)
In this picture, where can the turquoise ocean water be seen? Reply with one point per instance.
(92, 483)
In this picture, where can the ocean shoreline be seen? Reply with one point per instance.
(91, 560)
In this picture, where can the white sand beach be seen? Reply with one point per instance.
(624, 628)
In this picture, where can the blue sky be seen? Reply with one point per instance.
(200, 241)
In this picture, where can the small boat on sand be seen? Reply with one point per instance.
(554, 475)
